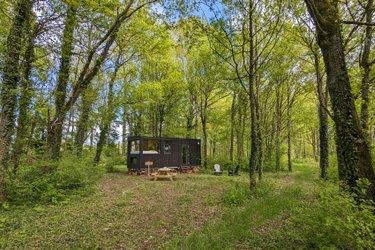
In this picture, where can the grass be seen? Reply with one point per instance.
(194, 212)
(248, 225)
(129, 212)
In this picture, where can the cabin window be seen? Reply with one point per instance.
(168, 147)
(134, 147)
(151, 147)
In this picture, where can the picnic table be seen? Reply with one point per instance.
(164, 173)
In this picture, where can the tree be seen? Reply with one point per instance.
(205, 69)
(90, 68)
(11, 78)
(245, 45)
(353, 153)
(305, 35)
(365, 65)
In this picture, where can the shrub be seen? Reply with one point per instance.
(332, 172)
(236, 195)
(335, 220)
(51, 182)
(112, 161)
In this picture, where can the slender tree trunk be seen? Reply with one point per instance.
(232, 127)
(241, 127)
(353, 153)
(55, 127)
(260, 151)
(108, 117)
(314, 143)
(323, 119)
(190, 117)
(205, 140)
(365, 66)
(278, 125)
(270, 144)
(25, 99)
(123, 145)
(289, 129)
(82, 126)
(161, 120)
(259, 135)
(69, 127)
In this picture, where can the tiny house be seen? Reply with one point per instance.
(161, 152)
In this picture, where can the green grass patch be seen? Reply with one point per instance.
(287, 210)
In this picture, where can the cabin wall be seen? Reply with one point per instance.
(174, 159)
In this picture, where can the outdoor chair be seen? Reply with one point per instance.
(217, 169)
(235, 172)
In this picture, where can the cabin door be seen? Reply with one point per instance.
(185, 155)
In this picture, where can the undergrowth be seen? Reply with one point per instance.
(50, 183)
(336, 220)
(288, 211)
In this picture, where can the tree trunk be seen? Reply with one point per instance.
(68, 128)
(260, 149)
(242, 105)
(161, 120)
(353, 153)
(270, 144)
(123, 145)
(323, 119)
(190, 116)
(232, 127)
(25, 99)
(259, 134)
(252, 101)
(11, 77)
(55, 127)
(289, 129)
(108, 116)
(365, 66)
(313, 144)
(204, 130)
(278, 126)
(82, 126)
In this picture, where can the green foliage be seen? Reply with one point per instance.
(50, 183)
(111, 162)
(332, 172)
(335, 220)
(236, 195)
(289, 211)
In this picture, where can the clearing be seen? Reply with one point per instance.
(132, 212)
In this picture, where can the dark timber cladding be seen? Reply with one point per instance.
(163, 152)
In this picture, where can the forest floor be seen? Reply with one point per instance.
(197, 211)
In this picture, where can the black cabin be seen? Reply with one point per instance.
(163, 152)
